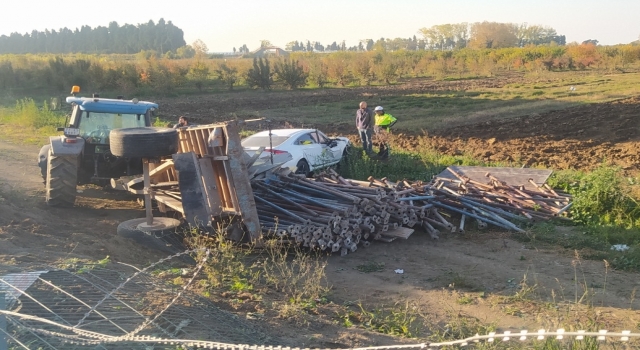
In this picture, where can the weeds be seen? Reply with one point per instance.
(601, 197)
(459, 327)
(455, 280)
(422, 163)
(297, 275)
(465, 299)
(401, 319)
(39, 123)
(83, 266)
(370, 267)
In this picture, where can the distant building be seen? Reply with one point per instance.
(269, 51)
(224, 53)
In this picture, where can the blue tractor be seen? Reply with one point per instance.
(82, 154)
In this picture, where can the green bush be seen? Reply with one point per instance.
(600, 197)
(27, 115)
(291, 74)
(260, 75)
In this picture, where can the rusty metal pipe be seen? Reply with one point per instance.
(280, 209)
(274, 193)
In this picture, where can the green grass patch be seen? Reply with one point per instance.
(603, 197)
(593, 242)
(28, 123)
(399, 319)
(421, 164)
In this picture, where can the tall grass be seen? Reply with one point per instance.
(603, 197)
(26, 122)
(294, 273)
(422, 164)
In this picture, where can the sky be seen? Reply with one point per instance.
(223, 25)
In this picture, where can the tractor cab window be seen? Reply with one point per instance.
(95, 127)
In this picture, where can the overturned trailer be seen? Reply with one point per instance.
(206, 180)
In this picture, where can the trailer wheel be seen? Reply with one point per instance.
(143, 142)
(61, 180)
(162, 236)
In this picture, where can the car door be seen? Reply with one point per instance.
(327, 154)
(311, 150)
(336, 147)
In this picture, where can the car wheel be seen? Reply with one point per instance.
(303, 167)
(346, 152)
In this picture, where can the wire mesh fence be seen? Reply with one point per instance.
(115, 306)
(90, 307)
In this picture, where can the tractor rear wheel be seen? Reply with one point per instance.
(61, 180)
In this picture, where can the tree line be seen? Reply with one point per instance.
(480, 35)
(114, 39)
(167, 39)
(140, 74)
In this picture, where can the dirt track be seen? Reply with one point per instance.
(32, 233)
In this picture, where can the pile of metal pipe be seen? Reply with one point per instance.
(335, 214)
(331, 213)
(497, 203)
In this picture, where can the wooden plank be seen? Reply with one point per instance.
(241, 183)
(194, 202)
(202, 145)
(169, 202)
(209, 182)
(512, 176)
(222, 181)
(235, 201)
(386, 239)
(157, 170)
(164, 184)
(400, 232)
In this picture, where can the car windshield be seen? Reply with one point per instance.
(263, 141)
(103, 122)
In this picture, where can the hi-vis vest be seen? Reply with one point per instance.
(385, 119)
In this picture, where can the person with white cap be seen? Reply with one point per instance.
(384, 121)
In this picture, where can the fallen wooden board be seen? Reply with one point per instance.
(169, 202)
(512, 176)
(400, 232)
(386, 239)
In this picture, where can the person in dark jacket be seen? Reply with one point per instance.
(182, 122)
(364, 123)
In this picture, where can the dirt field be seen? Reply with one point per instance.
(455, 277)
(580, 137)
(576, 138)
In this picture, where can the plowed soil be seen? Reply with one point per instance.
(576, 138)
